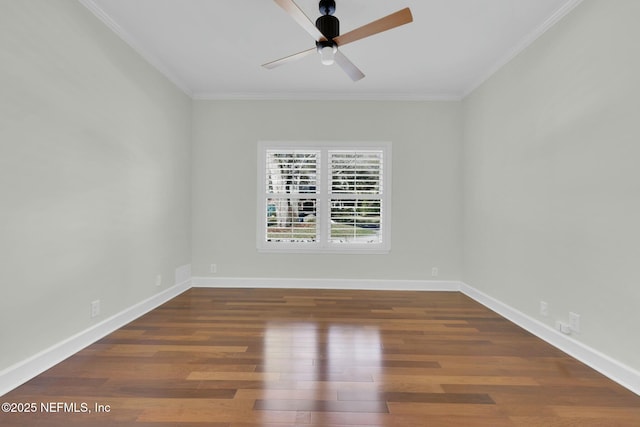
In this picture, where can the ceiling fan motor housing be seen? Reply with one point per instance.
(329, 26)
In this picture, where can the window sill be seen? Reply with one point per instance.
(329, 251)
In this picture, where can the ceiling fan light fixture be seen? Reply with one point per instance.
(327, 54)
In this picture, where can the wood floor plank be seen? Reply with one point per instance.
(331, 358)
(471, 398)
(368, 407)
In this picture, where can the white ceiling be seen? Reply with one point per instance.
(213, 49)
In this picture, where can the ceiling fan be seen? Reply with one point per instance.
(326, 32)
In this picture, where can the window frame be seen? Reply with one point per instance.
(323, 196)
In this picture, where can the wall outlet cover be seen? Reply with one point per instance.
(95, 308)
(574, 322)
(544, 308)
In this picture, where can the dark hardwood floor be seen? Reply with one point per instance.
(258, 357)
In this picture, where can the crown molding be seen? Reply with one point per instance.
(323, 96)
(560, 13)
(128, 39)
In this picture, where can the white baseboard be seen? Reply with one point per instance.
(609, 367)
(355, 284)
(21, 372)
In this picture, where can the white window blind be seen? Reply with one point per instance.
(356, 196)
(324, 197)
(291, 186)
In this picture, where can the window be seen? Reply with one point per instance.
(324, 197)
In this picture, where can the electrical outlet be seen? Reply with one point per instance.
(159, 280)
(574, 322)
(544, 308)
(95, 308)
(434, 272)
(214, 268)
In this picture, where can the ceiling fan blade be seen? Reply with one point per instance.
(290, 58)
(348, 67)
(389, 22)
(298, 15)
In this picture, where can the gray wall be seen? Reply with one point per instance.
(97, 194)
(94, 175)
(551, 178)
(426, 212)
